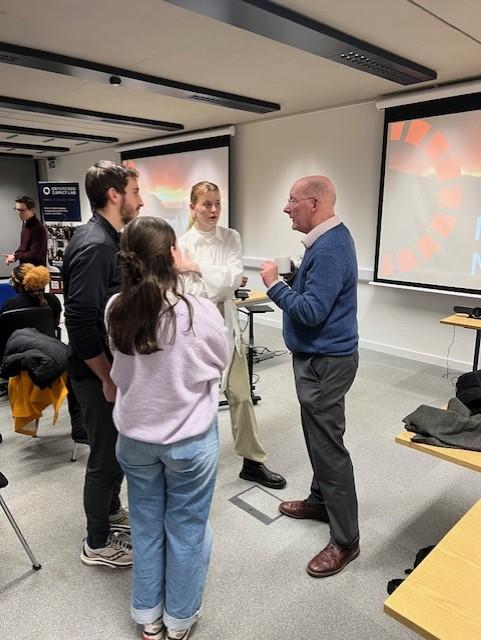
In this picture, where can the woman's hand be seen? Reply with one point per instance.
(184, 263)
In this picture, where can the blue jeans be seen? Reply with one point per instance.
(170, 489)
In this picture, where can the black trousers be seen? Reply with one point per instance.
(322, 383)
(103, 475)
(75, 412)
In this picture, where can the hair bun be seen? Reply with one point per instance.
(133, 265)
(35, 278)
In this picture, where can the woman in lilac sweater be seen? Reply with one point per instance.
(169, 351)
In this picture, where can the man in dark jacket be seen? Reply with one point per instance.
(91, 276)
(33, 239)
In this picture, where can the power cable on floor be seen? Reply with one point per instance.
(452, 377)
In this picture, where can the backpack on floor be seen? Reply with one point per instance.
(468, 390)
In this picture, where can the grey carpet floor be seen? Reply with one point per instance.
(257, 586)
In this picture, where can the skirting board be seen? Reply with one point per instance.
(400, 352)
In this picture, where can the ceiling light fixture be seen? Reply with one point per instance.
(85, 114)
(97, 72)
(36, 147)
(281, 24)
(65, 135)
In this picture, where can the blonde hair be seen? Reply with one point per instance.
(27, 278)
(197, 190)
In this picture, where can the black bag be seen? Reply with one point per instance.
(468, 390)
(392, 585)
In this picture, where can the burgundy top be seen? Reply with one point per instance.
(33, 243)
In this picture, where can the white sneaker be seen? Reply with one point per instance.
(120, 521)
(179, 635)
(117, 553)
(154, 631)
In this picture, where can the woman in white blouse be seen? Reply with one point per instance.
(214, 255)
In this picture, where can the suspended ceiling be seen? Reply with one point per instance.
(162, 39)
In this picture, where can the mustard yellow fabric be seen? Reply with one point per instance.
(28, 401)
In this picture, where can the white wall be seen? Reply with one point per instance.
(18, 178)
(344, 144)
(73, 168)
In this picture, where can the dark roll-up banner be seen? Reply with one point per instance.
(59, 201)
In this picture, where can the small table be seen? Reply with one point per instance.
(462, 457)
(439, 600)
(250, 306)
(463, 320)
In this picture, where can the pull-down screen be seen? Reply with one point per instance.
(168, 172)
(429, 227)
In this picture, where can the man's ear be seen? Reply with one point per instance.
(113, 195)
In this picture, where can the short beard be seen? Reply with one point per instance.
(127, 213)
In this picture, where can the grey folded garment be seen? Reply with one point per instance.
(453, 427)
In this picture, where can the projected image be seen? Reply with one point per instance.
(431, 209)
(166, 180)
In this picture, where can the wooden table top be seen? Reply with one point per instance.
(441, 598)
(462, 320)
(255, 297)
(463, 457)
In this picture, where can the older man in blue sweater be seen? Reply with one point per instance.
(319, 301)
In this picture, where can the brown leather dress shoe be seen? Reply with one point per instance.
(304, 510)
(331, 560)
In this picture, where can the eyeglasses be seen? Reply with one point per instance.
(20, 210)
(292, 201)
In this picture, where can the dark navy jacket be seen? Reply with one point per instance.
(91, 276)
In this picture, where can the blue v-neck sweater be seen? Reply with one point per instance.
(320, 306)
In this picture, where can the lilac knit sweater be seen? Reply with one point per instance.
(173, 394)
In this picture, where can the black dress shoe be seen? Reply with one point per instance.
(258, 472)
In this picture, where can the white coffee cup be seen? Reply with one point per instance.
(283, 264)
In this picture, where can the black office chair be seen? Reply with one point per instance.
(40, 318)
(35, 564)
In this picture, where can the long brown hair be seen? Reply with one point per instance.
(142, 316)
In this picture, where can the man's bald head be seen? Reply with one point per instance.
(311, 201)
(319, 187)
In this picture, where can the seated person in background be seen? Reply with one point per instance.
(30, 282)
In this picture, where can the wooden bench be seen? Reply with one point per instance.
(441, 598)
(463, 457)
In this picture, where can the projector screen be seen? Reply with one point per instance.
(168, 172)
(429, 225)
